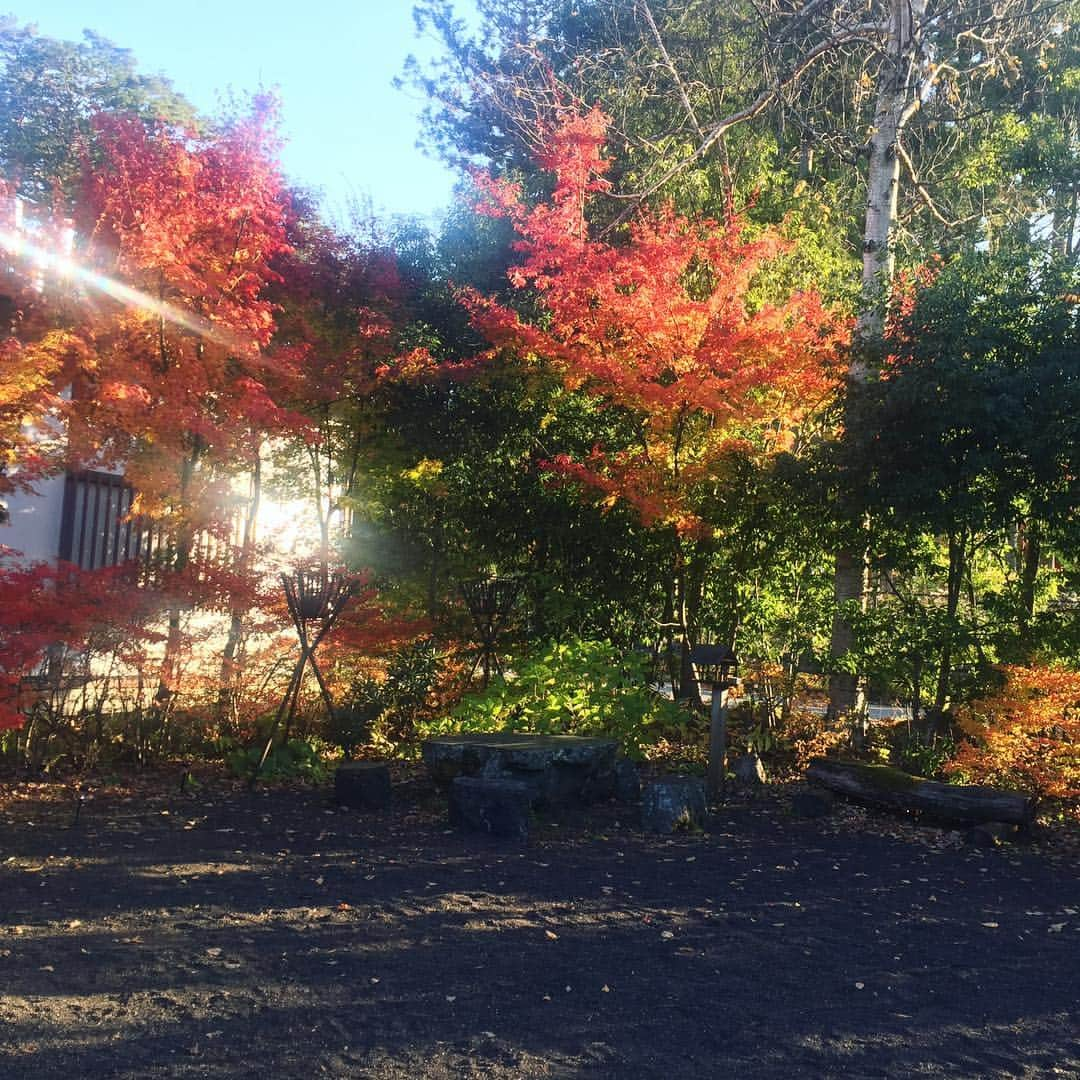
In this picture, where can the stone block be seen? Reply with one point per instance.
(627, 781)
(362, 785)
(487, 804)
(673, 803)
(813, 803)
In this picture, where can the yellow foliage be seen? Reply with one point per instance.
(425, 475)
(1025, 735)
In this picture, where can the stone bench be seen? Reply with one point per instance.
(558, 770)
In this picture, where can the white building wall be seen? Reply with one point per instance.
(33, 527)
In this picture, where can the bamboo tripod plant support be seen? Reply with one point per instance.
(316, 600)
(489, 602)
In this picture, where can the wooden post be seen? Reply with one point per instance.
(716, 778)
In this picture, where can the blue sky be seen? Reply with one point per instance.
(348, 130)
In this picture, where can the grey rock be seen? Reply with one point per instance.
(813, 803)
(750, 770)
(496, 806)
(363, 785)
(673, 803)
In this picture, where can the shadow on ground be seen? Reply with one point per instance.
(235, 934)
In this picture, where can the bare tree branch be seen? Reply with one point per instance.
(864, 32)
(646, 12)
(924, 195)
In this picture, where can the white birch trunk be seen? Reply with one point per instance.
(897, 99)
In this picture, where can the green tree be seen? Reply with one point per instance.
(971, 440)
(49, 92)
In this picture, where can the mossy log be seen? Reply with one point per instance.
(880, 785)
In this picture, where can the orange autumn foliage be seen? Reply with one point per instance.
(194, 223)
(1025, 735)
(665, 323)
(33, 352)
(46, 607)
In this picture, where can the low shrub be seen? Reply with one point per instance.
(384, 704)
(297, 759)
(578, 687)
(807, 734)
(920, 754)
(1024, 735)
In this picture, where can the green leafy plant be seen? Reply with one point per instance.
(921, 754)
(298, 759)
(759, 740)
(384, 710)
(577, 687)
(351, 723)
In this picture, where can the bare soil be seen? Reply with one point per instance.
(223, 933)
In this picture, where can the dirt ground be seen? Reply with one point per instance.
(223, 933)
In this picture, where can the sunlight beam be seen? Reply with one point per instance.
(18, 245)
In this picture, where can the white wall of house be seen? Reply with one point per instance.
(33, 527)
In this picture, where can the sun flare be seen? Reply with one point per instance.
(63, 265)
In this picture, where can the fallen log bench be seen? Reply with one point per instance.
(882, 785)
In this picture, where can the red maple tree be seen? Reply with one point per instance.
(48, 612)
(161, 324)
(180, 371)
(672, 320)
(666, 321)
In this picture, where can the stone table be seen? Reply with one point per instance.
(557, 769)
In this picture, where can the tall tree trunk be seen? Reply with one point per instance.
(897, 100)
(183, 541)
(847, 691)
(1065, 206)
(1030, 544)
(667, 637)
(688, 688)
(690, 591)
(227, 683)
(958, 563)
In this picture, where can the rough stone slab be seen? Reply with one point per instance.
(519, 750)
(558, 769)
(673, 803)
(495, 806)
(362, 785)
